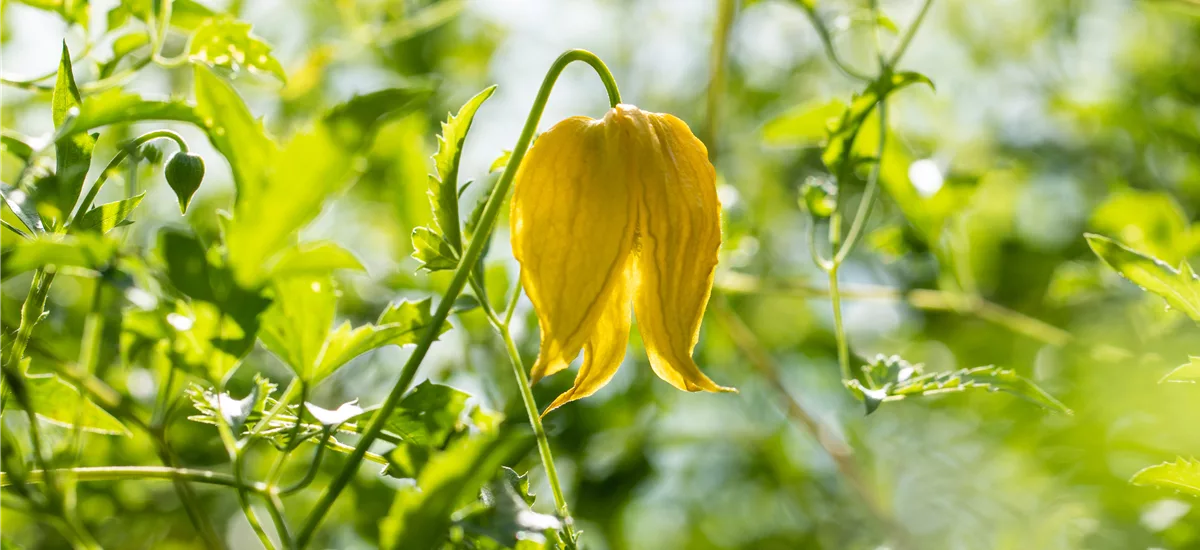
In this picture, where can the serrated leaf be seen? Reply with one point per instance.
(428, 414)
(433, 252)
(58, 402)
(105, 217)
(228, 43)
(443, 187)
(421, 516)
(1183, 475)
(73, 154)
(503, 512)
(23, 207)
(1186, 373)
(234, 413)
(1180, 288)
(314, 259)
(892, 379)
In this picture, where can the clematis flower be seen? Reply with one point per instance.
(614, 218)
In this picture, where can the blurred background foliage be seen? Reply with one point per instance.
(1050, 119)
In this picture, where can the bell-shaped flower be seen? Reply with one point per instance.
(615, 218)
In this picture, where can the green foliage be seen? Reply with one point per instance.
(228, 43)
(74, 152)
(438, 247)
(59, 402)
(838, 153)
(1188, 372)
(1183, 475)
(892, 379)
(420, 517)
(1180, 288)
(108, 216)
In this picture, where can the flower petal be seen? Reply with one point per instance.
(573, 225)
(679, 238)
(605, 350)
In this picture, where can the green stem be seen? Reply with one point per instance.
(870, 193)
(531, 410)
(827, 40)
(116, 160)
(843, 346)
(465, 266)
(726, 9)
(124, 473)
(905, 40)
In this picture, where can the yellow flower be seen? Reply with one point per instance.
(610, 215)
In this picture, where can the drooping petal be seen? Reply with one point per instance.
(605, 350)
(573, 225)
(679, 238)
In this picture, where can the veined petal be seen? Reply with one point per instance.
(605, 350)
(573, 225)
(679, 236)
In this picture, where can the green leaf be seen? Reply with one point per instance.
(15, 144)
(503, 511)
(113, 106)
(341, 415)
(105, 217)
(892, 379)
(1180, 289)
(314, 259)
(804, 125)
(73, 153)
(501, 161)
(73, 11)
(58, 402)
(234, 132)
(356, 121)
(428, 415)
(443, 189)
(23, 207)
(421, 516)
(433, 252)
(186, 15)
(228, 43)
(1187, 373)
(122, 47)
(296, 326)
(223, 318)
(837, 154)
(1183, 475)
(89, 251)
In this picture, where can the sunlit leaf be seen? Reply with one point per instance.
(334, 418)
(1188, 372)
(837, 154)
(892, 379)
(503, 512)
(236, 134)
(1183, 475)
(443, 190)
(314, 259)
(58, 402)
(421, 516)
(1180, 288)
(74, 153)
(297, 324)
(432, 251)
(235, 413)
(228, 43)
(105, 217)
(89, 251)
(803, 125)
(19, 202)
(113, 106)
(428, 414)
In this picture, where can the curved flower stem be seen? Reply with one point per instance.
(905, 40)
(466, 264)
(827, 40)
(116, 161)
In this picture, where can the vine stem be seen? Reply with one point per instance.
(117, 160)
(123, 473)
(531, 408)
(466, 264)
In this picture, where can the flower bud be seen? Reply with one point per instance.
(184, 173)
